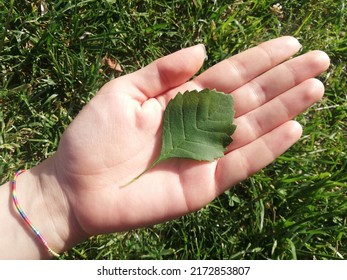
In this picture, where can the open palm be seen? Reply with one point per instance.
(118, 134)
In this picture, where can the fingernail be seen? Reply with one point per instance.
(299, 44)
(204, 49)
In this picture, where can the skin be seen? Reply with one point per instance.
(76, 193)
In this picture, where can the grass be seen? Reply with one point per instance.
(52, 63)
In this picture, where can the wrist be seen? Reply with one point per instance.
(44, 203)
(56, 215)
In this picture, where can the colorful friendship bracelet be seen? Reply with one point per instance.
(20, 211)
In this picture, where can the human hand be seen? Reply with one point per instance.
(118, 134)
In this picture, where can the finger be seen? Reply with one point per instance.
(278, 80)
(166, 73)
(234, 72)
(275, 112)
(242, 163)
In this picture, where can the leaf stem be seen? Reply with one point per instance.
(159, 159)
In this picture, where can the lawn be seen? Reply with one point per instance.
(55, 55)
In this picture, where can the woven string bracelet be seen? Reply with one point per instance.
(27, 221)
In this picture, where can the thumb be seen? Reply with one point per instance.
(167, 72)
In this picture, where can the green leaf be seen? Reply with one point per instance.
(196, 125)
